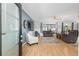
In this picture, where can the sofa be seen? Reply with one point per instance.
(71, 37)
(47, 33)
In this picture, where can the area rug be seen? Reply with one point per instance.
(51, 40)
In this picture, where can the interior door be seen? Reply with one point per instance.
(10, 29)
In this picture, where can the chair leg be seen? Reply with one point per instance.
(29, 44)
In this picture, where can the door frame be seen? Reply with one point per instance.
(20, 28)
(0, 32)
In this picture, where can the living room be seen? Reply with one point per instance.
(53, 26)
(39, 29)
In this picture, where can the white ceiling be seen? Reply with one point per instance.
(39, 11)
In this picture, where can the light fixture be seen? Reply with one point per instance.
(54, 17)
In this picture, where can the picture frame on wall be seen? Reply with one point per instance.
(25, 24)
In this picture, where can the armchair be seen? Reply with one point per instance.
(31, 38)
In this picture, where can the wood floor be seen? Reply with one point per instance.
(39, 49)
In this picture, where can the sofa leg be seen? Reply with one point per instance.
(32, 44)
(29, 44)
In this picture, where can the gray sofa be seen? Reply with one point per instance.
(47, 33)
(71, 37)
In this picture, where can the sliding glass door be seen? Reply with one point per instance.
(10, 29)
(0, 33)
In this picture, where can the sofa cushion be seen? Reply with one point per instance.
(31, 33)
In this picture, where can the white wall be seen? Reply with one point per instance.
(26, 17)
(50, 20)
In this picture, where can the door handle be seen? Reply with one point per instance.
(3, 33)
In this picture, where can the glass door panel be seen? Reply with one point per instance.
(10, 29)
